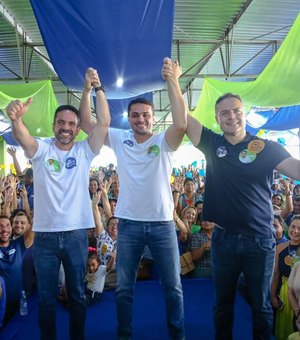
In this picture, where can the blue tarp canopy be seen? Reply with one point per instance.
(122, 39)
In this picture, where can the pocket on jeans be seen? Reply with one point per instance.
(266, 244)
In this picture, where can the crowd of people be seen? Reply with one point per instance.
(69, 231)
(193, 235)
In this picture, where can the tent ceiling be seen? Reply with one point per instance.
(232, 39)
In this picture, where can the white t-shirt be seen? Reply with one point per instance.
(95, 281)
(61, 195)
(144, 171)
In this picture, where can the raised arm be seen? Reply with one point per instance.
(171, 71)
(104, 196)
(15, 111)
(29, 235)
(26, 207)
(96, 213)
(13, 185)
(287, 192)
(13, 152)
(194, 130)
(96, 135)
(290, 167)
(86, 121)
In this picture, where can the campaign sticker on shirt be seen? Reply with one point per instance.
(221, 151)
(256, 146)
(246, 156)
(70, 163)
(128, 142)
(153, 151)
(52, 165)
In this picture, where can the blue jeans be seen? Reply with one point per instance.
(162, 242)
(234, 254)
(50, 250)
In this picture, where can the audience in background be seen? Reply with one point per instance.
(12, 253)
(189, 193)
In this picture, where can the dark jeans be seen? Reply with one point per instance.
(235, 254)
(49, 250)
(162, 242)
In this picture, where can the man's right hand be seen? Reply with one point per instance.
(16, 109)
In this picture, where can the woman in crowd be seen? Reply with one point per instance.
(284, 259)
(188, 197)
(93, 186)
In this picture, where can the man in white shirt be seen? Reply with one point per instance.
(62, 205)
(145, 203)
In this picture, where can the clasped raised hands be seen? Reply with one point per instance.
(91, 79)
(170, 69)
(16, 109)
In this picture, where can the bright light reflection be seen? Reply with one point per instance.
(125, 114)
(120, 82)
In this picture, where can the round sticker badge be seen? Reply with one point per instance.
(53, 165)
(256, 146)
(246, 156)
(289, 260)
(221, 151)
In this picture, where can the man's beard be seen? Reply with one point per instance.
(63, 140)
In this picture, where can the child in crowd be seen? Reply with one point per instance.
(95, 280)
(95, 277)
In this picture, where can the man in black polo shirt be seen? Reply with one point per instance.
(238, 200)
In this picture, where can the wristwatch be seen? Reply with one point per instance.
(99, 88)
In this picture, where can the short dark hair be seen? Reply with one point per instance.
(19, 212)
(188, 179)
(140, 100)
(2, 217)
(93, 255)
(94, 179)
(67, 107)
(226, 96)
(111, 218)
(198, 202)
(29, 172)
